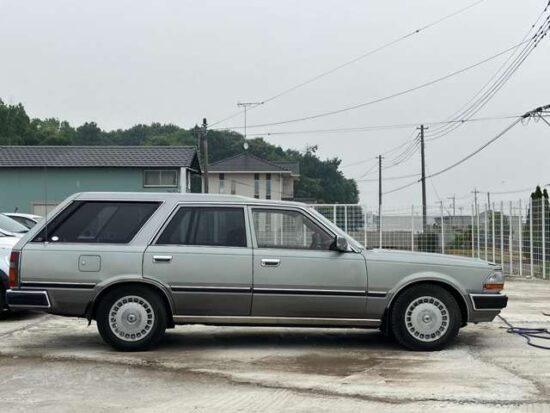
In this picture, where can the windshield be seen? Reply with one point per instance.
(356, 244)
(10, 225)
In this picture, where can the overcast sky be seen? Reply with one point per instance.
(120, 63)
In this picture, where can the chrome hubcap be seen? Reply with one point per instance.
(131, 318)
(427, 319)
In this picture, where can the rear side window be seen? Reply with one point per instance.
(222, 227)
(99, 222)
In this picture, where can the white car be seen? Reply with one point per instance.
(28, 220)
(7, 241)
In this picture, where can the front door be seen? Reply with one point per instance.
(204, 255)
(297, 274)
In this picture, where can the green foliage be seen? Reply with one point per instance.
(320, 180)
(538, 198)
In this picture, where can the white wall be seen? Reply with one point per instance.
(245, 185)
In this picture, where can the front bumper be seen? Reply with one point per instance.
(27, 299)
(488, 302)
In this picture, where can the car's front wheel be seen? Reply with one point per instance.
(425, 317)
(131, 319)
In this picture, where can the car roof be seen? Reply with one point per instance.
(17, 214)
(179, 197)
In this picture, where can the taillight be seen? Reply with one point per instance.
(14, 269)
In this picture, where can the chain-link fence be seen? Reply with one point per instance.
(515, 235)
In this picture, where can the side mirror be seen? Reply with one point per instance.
(341, 244)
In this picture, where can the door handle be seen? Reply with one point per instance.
(270, 262)
(162, 258)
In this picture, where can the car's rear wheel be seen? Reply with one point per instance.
(425, 317)
(131, 318)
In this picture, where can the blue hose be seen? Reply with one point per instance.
(529, 333)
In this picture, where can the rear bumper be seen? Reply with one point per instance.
(26, 299)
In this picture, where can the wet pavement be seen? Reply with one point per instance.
(48, 361)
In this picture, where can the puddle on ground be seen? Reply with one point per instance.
(339, 366)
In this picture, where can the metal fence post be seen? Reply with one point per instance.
(412, 228)
(531, 237)
(502, 235)
(364, 226)
(334, 214)
(478, 233)
(543, 240)
(511, 242)
(380, 229)
(493, 233)
(346, 219)
(442, 230)
(520, 237)
(485, 230)
(473, 232)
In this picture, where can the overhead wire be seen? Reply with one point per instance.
(496, 82)
(354, 60)
(391, 96)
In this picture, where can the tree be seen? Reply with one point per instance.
(320, 180)
(88, 134)
(538, 198)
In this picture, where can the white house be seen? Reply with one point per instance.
(248, 175)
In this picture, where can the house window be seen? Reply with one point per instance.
(222, 183)
(165, 178)
(267, 186)
(233, 187)
(257, 186)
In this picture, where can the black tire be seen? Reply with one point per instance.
(137, 302)
(433, 325)
(2, 300)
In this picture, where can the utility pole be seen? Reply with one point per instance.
(245, 106)
(488, 200)
(423, 179)
(453, 198)
(204, 138)
(380, 193)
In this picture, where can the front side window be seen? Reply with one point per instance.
(206, 226)
(98, 222)
(289, 229)
(160, 178)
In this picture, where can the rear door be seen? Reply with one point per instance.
(204, 254)
(298, 274)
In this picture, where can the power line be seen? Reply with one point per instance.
(492, 86)
(392, 96)
(532, 113)
(356, 59)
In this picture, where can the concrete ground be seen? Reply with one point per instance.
(49, 363)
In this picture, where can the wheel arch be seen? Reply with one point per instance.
(449, 287)
(149, 284)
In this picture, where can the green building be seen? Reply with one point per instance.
(34, 179)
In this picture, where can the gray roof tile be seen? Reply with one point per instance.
(246, 162)
(98, 156)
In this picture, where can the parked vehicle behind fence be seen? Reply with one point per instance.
(139, 263)
(28, 220)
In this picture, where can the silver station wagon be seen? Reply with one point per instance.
(139, 263)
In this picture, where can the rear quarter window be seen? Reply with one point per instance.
(98, 222)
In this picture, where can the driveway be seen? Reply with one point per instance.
(49, 362)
